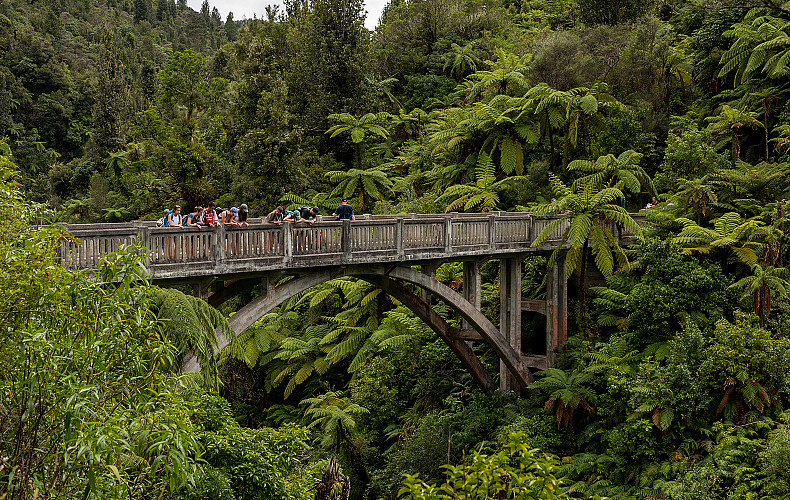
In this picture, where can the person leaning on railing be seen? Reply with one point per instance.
(276, 216)
(242, 215)
(209, 216)
(229, 217)
(193, 219)
(307, 214)
(173, 217)
(305, 240)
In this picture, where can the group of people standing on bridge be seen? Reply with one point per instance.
(208, 216)
(215, 216)
(308, 214)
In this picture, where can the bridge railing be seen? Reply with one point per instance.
(92, 241)
(169, 246)
(327, 241)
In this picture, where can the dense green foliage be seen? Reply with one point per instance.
(91, 404)
(674, 383)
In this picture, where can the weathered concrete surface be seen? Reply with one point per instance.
(509, 316)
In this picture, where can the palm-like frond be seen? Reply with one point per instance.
(334, 415)
(761, 44)
(359, 128)
(192, 325)
(730, 232)
(483, 194)
(761, 285)
(368, 184)
(566, 393)
(608, 170)
(586, 215)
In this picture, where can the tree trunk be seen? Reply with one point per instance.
(359, 463)
(766, 137)
(583, 319)
(551, 145)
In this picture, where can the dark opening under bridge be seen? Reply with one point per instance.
(221, 262)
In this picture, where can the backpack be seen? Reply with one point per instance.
(164, 219)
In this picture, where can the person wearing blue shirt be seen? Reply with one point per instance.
(344, 211)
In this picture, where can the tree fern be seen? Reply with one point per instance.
(368, 185)
(761, 45)
(587, 215)
(192, 324)
(316, 199)
(608, 170)
(761, 286)
(335, 417)
(483, 195)
(730, 233)
(399, 327)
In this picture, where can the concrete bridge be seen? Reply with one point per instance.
(221, 262)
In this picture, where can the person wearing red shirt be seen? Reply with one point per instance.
(209, 216)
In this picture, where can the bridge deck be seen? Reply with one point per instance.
(191, 253)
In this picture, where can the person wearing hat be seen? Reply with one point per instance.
(276, 216)
(228, 216)
(344, 211)
(242, 215)
(307, 214)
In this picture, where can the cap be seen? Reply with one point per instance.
(343, 200)
(234, 210)
(244, 206)
(315, 210)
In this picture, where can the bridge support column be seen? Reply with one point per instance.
(557, 309)
(510, 315)
(472, 286)
(428, 269)
(203, 289)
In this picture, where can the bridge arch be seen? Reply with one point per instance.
(387, 278)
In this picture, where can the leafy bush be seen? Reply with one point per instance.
(516, 471)
(671, 288)
(752, 368)
(447, 436)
